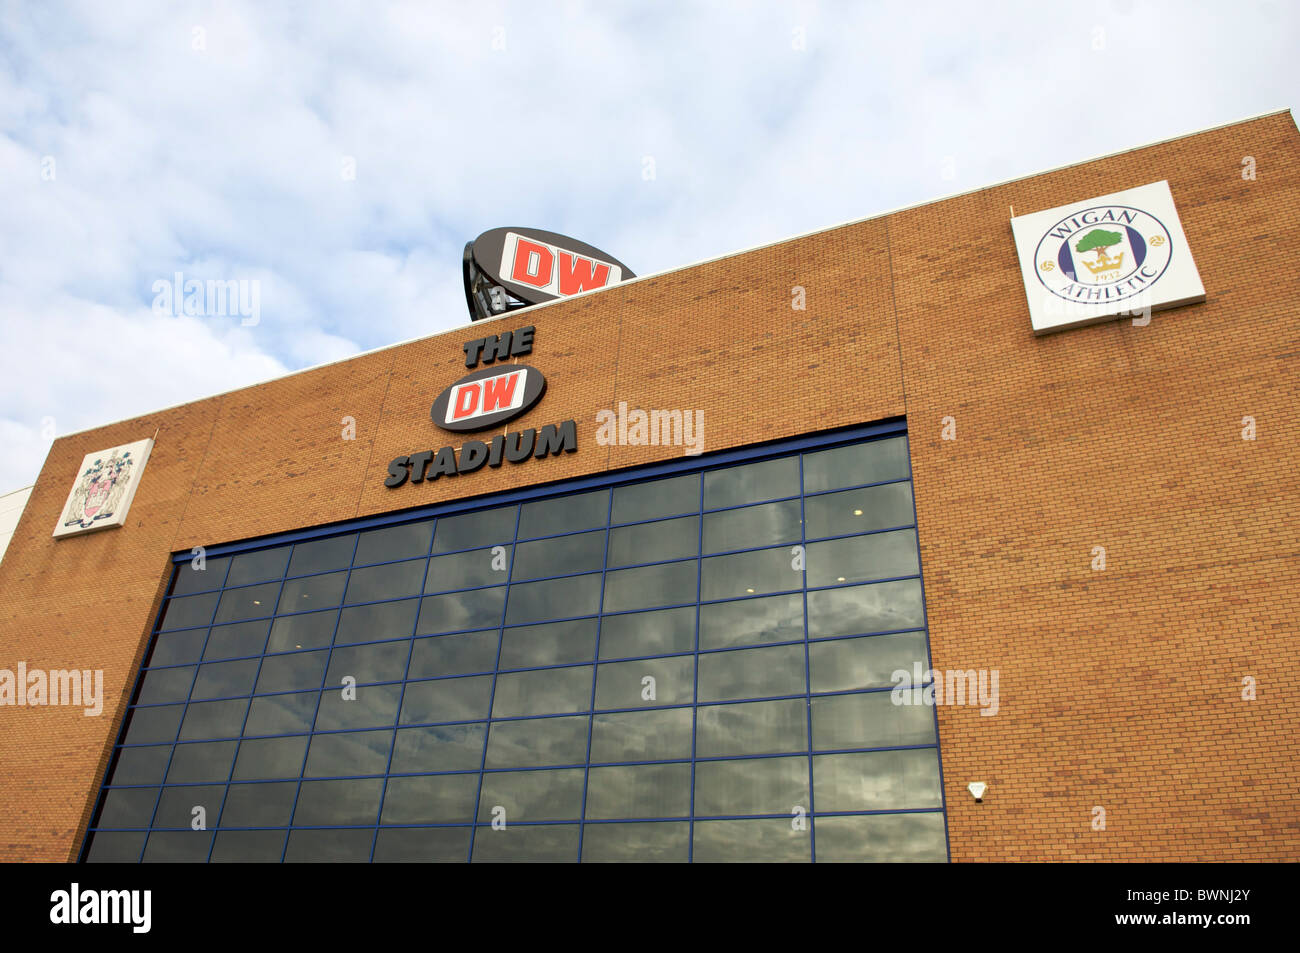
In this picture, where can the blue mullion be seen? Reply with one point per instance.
(320, 694)
(181, 724)
(807, 664)
(230, 777)
(595, 671)
(695, 686)
(401, 695)
(492, 695)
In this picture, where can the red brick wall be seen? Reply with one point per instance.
(1119, 688)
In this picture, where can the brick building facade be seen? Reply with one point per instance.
(1120, 688)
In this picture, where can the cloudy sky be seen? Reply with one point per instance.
(337, 156)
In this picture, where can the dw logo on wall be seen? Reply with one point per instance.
(1103, 257)
(105, 486)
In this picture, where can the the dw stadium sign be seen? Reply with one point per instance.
(514, 267)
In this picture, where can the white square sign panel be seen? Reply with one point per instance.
(1100, 258)
(104, 488)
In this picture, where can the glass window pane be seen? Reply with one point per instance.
(752, 673)
(760, 786)
(447, 699)
(128, 807)
(265, 758)
(861, 558)
(240, 639)
(537, 741)
(877, 780)
(259, 805)
(762, 841)
(454, 654)
(662, 585)
(151, 725)
(476, 567)
(750, 621)
(178, 847)
(432, 799)
(859, 511)
(558, 556)
(844, 664)
(752, 526)
(389, 581)
(348, 753)
(751, 483)
(643, 790)
(191, 578)
(564, 514)
(469, 530)
(554, 643)
(250, 602)
(441, 748)
(536, 844)
(869, 720)
(648, 683)
(189, 611)
(532, 795)
(394, 542)
(312, 592)
(297, 670)
(373, 623)
(214, 719)
(470, 609)
(855, 610)
(322, 555)
(554, 599)
(648, 633)
(857, 463)
(759, 571)
(377, 662)
(258, 566)
(654, 542)
(752, 728)
(665, 843)
(543, 692)
(110, 847)
(882, 838)
(657, 498)
(166, 685)
(335, 847)
(248, 847)
(207, 761)
(140, 765)
(174, 648)
(641, 735)
(309, 630)
(176, 806)
(225, 679)
(324, 803)
(430, 845)
(374, 706)
(275, 714)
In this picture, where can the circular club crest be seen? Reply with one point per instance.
(1103, 254)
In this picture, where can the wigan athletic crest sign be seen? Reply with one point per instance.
(105, 485)
(1104, 257)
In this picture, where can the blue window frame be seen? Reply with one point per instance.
(686, 661)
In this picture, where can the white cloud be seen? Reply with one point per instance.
(225, 161)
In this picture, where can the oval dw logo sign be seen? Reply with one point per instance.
(488, 397)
